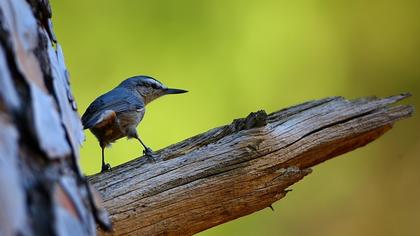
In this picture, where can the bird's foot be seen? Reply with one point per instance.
(149, 154)
(105, 167)
(148, 151)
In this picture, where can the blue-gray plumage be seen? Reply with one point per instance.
(117, 113)
(119, 99)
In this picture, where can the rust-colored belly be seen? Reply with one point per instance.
(115, 126)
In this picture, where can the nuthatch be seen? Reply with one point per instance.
(117, 113)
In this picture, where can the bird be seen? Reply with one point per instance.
(117, 113)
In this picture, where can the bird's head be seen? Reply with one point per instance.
(148, 87)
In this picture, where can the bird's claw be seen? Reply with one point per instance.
(149, 154)
(105, 167)
(148, 151)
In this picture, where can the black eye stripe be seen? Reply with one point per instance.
(146, 81)
(148, 84)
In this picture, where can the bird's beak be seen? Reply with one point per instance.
(175, 91)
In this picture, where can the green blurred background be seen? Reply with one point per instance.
(240, 56)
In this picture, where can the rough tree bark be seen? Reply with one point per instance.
(42, 189)
(201, 182)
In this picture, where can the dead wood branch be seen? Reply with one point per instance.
(237, 169)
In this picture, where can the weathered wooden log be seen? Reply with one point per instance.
(237, 169)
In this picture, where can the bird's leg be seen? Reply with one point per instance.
(105, 166)
(147, 151)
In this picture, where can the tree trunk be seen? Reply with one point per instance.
(42, 189)
(209, 179)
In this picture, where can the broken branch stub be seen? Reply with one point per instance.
(237, 169)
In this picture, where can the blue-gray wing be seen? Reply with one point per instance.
(116, 100)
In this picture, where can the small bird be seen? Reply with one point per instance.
(117, 113)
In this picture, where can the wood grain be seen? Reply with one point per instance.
(237, 169)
